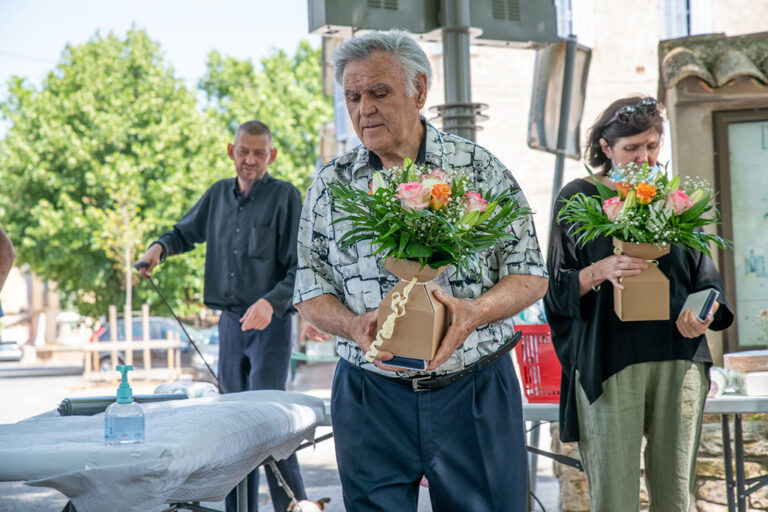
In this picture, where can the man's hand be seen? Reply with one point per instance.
(312, 333)
(258, 316)
(690, 326)
(461, 312)
(152, 259)
(364, 332)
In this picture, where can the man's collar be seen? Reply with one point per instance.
(236, 186)
(430, 151)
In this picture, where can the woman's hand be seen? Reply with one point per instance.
(612, 269)
(690, 326)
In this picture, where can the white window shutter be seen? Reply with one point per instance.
(583, 21)
(701, 17)
(564, 14)
(674, 18)
(576, 17)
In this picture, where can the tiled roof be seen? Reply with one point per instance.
(715, 59)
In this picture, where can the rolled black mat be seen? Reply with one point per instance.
(88, 406)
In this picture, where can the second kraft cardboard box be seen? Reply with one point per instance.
(419, 332)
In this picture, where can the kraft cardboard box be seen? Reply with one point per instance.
(646, 295)
(418, 333)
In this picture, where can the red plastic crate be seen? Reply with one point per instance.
(540, 369)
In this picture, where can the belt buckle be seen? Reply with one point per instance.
(415, 383)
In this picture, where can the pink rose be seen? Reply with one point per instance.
(678, 201)
(441, 176)
(475, 202)
(413, 196)
(612, 207)
(436, 177)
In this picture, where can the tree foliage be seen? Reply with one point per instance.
(286, 94)
(111, 151)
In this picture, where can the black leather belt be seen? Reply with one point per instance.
(430, 383)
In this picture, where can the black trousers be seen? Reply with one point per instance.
(254, 360)
(466, 438)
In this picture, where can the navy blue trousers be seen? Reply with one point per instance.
(467, 439)
(254, 360)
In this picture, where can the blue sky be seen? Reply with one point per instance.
(33, 33)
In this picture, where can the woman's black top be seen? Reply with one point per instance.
(587, 334)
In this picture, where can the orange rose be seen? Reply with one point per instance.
(645, 193)
(623, 189)
(440, 195)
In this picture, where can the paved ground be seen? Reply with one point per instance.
(26, 391)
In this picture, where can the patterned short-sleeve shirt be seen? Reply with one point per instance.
(357, 277)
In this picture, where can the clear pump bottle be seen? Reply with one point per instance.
(124, 419)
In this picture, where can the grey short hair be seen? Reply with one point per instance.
(395, 42)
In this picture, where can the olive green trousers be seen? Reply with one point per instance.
(661, 401)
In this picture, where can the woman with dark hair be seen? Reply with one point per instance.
(623, 381)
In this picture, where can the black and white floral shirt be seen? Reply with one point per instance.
(358, 278)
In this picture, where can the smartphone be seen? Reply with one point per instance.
(408, 363)
(701, 302)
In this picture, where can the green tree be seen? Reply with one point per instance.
(286, 94)
(106, 156)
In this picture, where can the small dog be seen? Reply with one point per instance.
(308, 506)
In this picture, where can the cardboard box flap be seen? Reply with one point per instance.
(645, 251)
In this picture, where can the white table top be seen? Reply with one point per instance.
(196, 449)
(724, 404)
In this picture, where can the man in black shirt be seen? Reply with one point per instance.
(250, 224)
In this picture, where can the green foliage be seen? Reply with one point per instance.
(286, 94)
(111, 151)
(433, 234)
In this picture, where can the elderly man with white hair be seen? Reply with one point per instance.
(461, 425)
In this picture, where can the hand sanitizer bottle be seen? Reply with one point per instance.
(124, 419)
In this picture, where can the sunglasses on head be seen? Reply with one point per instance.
(645, 106)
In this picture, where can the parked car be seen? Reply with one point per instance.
(10, 351)
(159, 327)
(210, 350)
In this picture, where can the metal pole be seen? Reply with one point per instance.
(242, 494)
(565, 109)
(456, 73)
(738, 448)
(730, 483)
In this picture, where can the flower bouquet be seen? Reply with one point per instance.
(422, 220)
(645, 215)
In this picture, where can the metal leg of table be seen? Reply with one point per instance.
(738, 447)
(242, 495)
(728, 462)
(533, 440)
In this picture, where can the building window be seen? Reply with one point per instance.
(681, 18)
